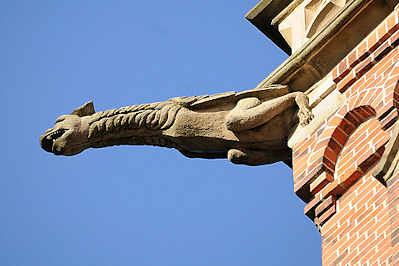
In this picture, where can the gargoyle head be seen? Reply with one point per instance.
(69, 136)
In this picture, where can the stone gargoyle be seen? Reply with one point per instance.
(250, 127)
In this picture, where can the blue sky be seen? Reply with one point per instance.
(141, 206)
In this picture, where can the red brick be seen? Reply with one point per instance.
(309, 209)
(330, 155)
(381, 51)
(353, 99)
(391, 23)
(363, 147)
(323, 143)
(375, 75)
(345, 156)
(302, 145)
(354, 119)
(297, 153)
(383, 66)
(299, 163)
(391, 93)
(301, 189)
(343, 68)
(349, 177)
(382, 32)
(352, 58)
(299, 176)
(372, 42)
(299, 166)
(361, 198)
(342, 165)
(373, 82)
(376, 101)
(363, 67)
(345, 83)
(394, 39)
(333, 188)
(329, 165)
(335, 75)
(342, 111)
(316, 156)
(395, 71)
(363, 112)
(325, 205)
(315, 169)
(373, 126)
(391, 83)
(332, 123)
(362, 50)
(326, 215)
(367, 97)
(320, 182)
(347, 127)
(384, 110)
(333, 145)
(389, 119)
(370, 161)
(359, 98)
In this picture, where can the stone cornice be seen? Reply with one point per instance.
(261, 16)
(286, 11)
(315, 59)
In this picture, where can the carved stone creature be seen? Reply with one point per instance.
(249, 127)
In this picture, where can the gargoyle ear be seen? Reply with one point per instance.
(84, 110)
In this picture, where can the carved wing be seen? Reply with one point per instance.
(232, 97)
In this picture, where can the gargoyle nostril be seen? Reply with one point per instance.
(47, 143)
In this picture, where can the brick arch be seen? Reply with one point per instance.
(341, 133)
(364, 148)
(365, 98)
(332, 141)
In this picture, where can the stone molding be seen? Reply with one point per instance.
(315, 58)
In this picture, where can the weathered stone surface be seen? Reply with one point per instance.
(250, 127)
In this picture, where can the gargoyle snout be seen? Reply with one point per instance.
(48, 138)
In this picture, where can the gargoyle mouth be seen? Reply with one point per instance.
(47, 141)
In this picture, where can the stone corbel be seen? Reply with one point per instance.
(327, 10)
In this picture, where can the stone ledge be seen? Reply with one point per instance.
(261, 16)
(316, 59)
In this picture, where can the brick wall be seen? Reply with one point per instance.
(356, 213)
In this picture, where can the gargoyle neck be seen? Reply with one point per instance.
(133, 125)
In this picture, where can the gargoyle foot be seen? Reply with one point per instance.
(237, 156)
(305, 116)
(252, 157)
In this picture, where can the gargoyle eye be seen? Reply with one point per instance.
(60, 119)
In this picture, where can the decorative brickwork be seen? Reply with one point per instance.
(357, 215)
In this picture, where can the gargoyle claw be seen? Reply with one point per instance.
(305, 116)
